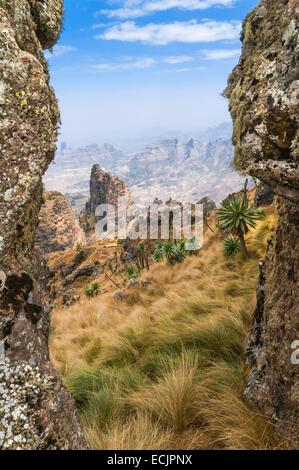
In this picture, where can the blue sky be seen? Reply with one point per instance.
(124, 69)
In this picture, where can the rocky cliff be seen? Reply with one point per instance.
(104, 189)
(30, 388)
(58, 228)
(264, 101)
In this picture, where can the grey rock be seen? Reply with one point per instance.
(264, 196)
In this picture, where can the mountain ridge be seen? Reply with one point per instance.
(166, 168)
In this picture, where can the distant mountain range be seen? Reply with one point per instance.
(184, 170)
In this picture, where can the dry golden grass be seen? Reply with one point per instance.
(165, 369)
(105, 254)
(174, 399)
(139, 433)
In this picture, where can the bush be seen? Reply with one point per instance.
(132, 273)
(170, 252)
(92, 290)
(80, 256)
(231, 246)
(237, 217)
(180, 252)
(158, 254)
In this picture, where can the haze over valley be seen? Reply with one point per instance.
(185, 168)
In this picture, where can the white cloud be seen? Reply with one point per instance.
(221, 54)
(139, 8)
(179, 59)
(143, 63)
(125, 63)
(165, 33)
(60, 50)
(182, 69)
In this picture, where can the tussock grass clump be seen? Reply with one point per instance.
(140, 432)
(165, 369)
(173, 400)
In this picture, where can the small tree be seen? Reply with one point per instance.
(169, 252)
(237, 217)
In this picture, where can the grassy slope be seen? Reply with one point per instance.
(165, 369)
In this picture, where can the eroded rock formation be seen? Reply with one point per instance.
(104, 189)
(30, 388)
(264, 101)
(58, 227)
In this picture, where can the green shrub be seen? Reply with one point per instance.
(80, 256)
(92, 290)
(158, 254)
(231, 246)
(170, 252)
(180, 252)
(132, 273)
(237, 217)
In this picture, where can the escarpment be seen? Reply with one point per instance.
(31, 389)
(264, 102)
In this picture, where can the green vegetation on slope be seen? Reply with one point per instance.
(165, 369)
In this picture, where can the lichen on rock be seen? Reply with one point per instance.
(58, 227)
(264, 97)
(21, 387)
(264, 103)
(29, 119)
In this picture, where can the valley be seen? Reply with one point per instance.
(185, 171)
(157, 361)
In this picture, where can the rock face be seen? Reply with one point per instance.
(28, 129)
(185, 170)
(264, 100)
(209, 206)
(104, 189)
(265, 86)
(264, 196)
(58, 227)
(71, 172)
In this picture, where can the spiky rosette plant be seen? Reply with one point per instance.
(237, 217)
(170, 252)
(158, 254)
(180, 252)
(231, 246)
